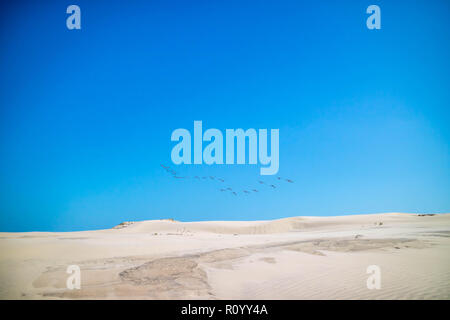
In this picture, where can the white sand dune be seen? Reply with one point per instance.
(292, 258)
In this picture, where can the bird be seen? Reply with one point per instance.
(175, 175)
(168, 169)
(165, 167)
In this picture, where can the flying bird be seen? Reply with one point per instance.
(165, 167)
(236, 193)
(168, 169)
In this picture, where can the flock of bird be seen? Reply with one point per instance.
(225, 189)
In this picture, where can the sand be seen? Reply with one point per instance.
(292, 258)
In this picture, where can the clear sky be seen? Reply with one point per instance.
(86, 115)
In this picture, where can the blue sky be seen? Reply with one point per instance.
(86, 115)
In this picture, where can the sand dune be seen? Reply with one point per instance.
(292, 258)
